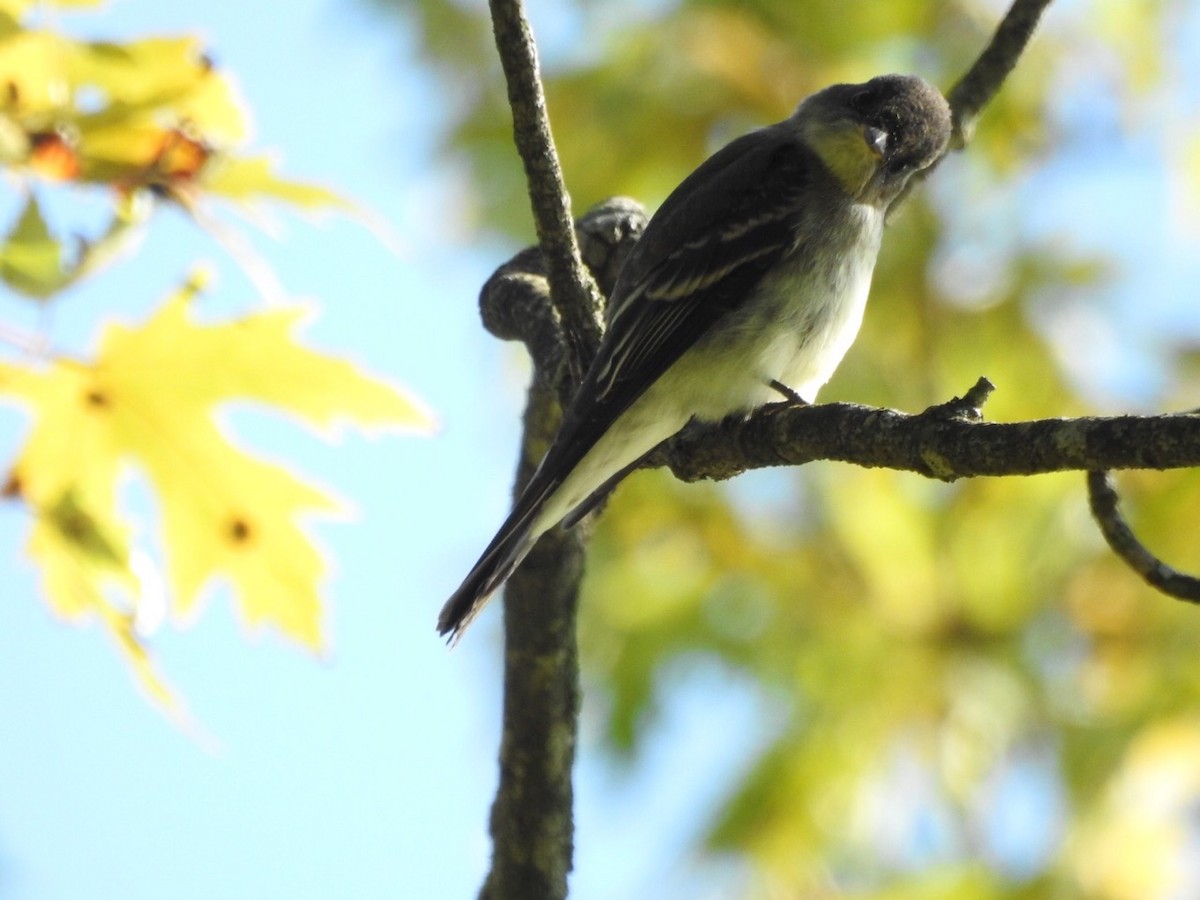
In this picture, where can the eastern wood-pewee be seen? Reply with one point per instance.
(751, 279)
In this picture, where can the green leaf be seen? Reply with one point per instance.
(253, 179)
(31, 259)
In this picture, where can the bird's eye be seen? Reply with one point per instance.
(861, 100)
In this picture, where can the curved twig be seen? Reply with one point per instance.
(1103, 500)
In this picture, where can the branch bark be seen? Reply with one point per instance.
(572, 294)
(531, 816)
(943, 442)
(531, 823)
(1102, 497)
(981, 82)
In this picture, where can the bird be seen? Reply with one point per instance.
(748, 283)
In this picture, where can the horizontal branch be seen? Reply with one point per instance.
(949, 441)
(940, 443)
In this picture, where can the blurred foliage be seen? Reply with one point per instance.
(927, 652)
(139, 124)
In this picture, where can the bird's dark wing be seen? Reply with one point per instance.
(700, 257)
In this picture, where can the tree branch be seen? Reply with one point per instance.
(938, 443)
(572, 293)
(976, 88)
(982, 81)
(532, 841)
(531, 817)
(1103, 499)
(531, 823)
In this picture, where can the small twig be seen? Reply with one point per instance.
(1103, 499)
(969, 406)
(28, 343)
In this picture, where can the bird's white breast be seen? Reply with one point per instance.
(822, 315)
(802, 320)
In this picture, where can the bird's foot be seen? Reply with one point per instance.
(791, 396)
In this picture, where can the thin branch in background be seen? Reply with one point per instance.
(572, 292)
(29, 344)
(981, 82)
(1103, 500)
(975, 89)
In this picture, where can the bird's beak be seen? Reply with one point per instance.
(876, 139)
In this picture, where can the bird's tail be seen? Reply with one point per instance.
(515, 538)
(499, 560)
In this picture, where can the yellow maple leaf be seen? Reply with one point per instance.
(160, 75)
(253, 178)
(31, 259)
(67, 477)
(148, 400)
(17, 8)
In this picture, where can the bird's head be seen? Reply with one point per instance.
(872, 137)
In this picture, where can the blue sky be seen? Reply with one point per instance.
(368, 773)
(364, 774)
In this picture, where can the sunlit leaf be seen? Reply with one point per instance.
(33, 261)
(31, 258)
(148, 401)
(253, 179)
(168, 77)
(34, 68)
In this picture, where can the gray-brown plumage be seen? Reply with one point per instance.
(752, 276)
